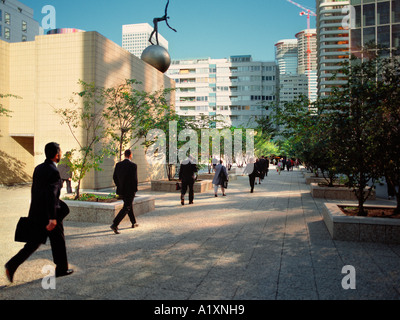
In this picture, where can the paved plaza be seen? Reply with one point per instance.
(269, 245)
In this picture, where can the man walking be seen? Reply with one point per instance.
(45, 212)
(125, 178)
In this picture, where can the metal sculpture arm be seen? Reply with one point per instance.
(157, 20)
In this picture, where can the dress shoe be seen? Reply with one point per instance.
(9, 273)
(115, 229)
(182, 202)
(64, 273)
(216, 195)
(135, 225)
(191, 202)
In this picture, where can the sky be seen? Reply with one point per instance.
(205, 28)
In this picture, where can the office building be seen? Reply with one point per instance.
(332, 42)
(135, 38)
(16, 22)
(377, 23)
(233, 91)
(44, 73)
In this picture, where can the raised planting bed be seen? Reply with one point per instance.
(200, 186)
(104, 211)
(210, 176)
(375, 228)
(319, 190)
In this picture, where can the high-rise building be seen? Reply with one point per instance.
(233, 90)
(377, 23)
(306, 39)
(286, 55)
(135, 38)
(16, 22)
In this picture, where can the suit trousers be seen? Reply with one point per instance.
(185, 185)
(127, 209)
(252, 179)
(59, 251)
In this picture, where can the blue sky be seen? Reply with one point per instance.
(206, 28)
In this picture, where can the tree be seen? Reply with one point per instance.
(91, 149)
(128, 113)
(4, 111)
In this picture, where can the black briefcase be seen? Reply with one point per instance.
(29, 231)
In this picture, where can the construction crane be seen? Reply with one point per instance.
(309, 13)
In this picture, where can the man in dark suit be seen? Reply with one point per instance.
(186, 175)
(125, 178)
(46, 215)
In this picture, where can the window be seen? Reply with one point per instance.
(383, 13)
(396, 36)
(7, 18)
(369, 14)
(369, 35)
(395, 11)
(24, 38)
(1, 15)
(24, 26)
(7, 33)
(384, 36)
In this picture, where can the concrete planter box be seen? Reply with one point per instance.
(314, 179)
(98, 212)
(210, 176)
(362, 229)
(170, 186)
(342, 193)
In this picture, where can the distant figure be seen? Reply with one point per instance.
(251, 170)
(221, 175)
(65, 171)
(187, 176)
(125, 178)
(156, 21)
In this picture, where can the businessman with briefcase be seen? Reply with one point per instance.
(45, 217)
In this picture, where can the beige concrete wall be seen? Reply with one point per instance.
(45, 73)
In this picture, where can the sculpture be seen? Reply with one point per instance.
(156, 55)
(156, 21)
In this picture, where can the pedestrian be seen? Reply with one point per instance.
(187, 176)
(220, 177)
(251, 170)
(64, 167)
(125, 178)
(46, 213)
(279, 166)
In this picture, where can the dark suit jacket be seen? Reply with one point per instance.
(186, 172)
(45, 193)
(125, 177)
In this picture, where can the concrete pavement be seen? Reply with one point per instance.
(269, 245)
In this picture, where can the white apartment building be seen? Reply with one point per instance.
(135, 38)
(233, 90)
(16, 22)
(332, 42)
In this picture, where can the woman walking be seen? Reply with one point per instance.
(221, 175)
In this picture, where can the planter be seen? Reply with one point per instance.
(99, 212)
(210, 176)
(314, 179)
(362, 229)
(200, 186)
(336, 192)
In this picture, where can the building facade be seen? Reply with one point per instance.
(16, 22)
(135, 38)
(377, 22)
(44, 73)
(332, 42)
(232, 90)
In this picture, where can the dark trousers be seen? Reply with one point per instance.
(127, 209)
(185, 185)
(252, 179)
(58, 249)
(69, 188)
